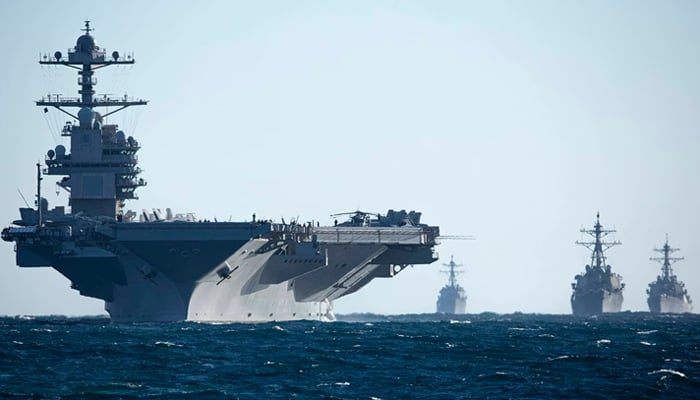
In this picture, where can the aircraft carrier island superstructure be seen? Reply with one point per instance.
(667, 294)
(165, 267)
(598, 290)
(452, 299)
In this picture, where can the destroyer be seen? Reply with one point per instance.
(667, 294)
(165, 267)
(452, 299)
(598, 290)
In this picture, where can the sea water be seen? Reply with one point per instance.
(625, 355)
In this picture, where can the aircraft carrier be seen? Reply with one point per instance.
(452, 299)
(667, 294)
(598, 290)
(155, 266)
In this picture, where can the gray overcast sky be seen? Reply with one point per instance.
(511, 121)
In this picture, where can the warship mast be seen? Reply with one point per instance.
(452, 272)
(666, 261)
(598, 246)
(100, 172)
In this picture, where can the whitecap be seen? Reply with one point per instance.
(128, 385)
(17, 342)
(647, 343)
(456, 321)
(564, 357)
(668, 371)
(647, 332)
(369, 324)
(168, 344)
(602, 341)
(279, 328)
(334, 384)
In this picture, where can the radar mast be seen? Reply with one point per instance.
(100, 170)
(598, 246)
(666, 261)
(452, 272)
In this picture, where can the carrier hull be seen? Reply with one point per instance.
(243, 272)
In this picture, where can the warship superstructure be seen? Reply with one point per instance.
(598, 290)
(667, 294)
(169, 267)
(452, 299)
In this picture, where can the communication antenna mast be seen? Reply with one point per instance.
(452, 271)
(598, 246)
(666, 261)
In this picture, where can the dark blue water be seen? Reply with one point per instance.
(628, 355)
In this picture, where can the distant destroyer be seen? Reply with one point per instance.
(598, 290)
(170, 267)
(667, 294)
(452, 299)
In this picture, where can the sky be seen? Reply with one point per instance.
(515, 122)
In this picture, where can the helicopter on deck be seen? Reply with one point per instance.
(391, 218)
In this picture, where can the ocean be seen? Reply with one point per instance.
(519, 356)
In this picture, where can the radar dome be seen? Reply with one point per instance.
(58, 55)
(121, 138)
(50, 153)
(60, 151)
(86, 116)
(85, 44)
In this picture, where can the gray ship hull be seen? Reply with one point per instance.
(451, 301)
(664, 303)
(596, 302)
